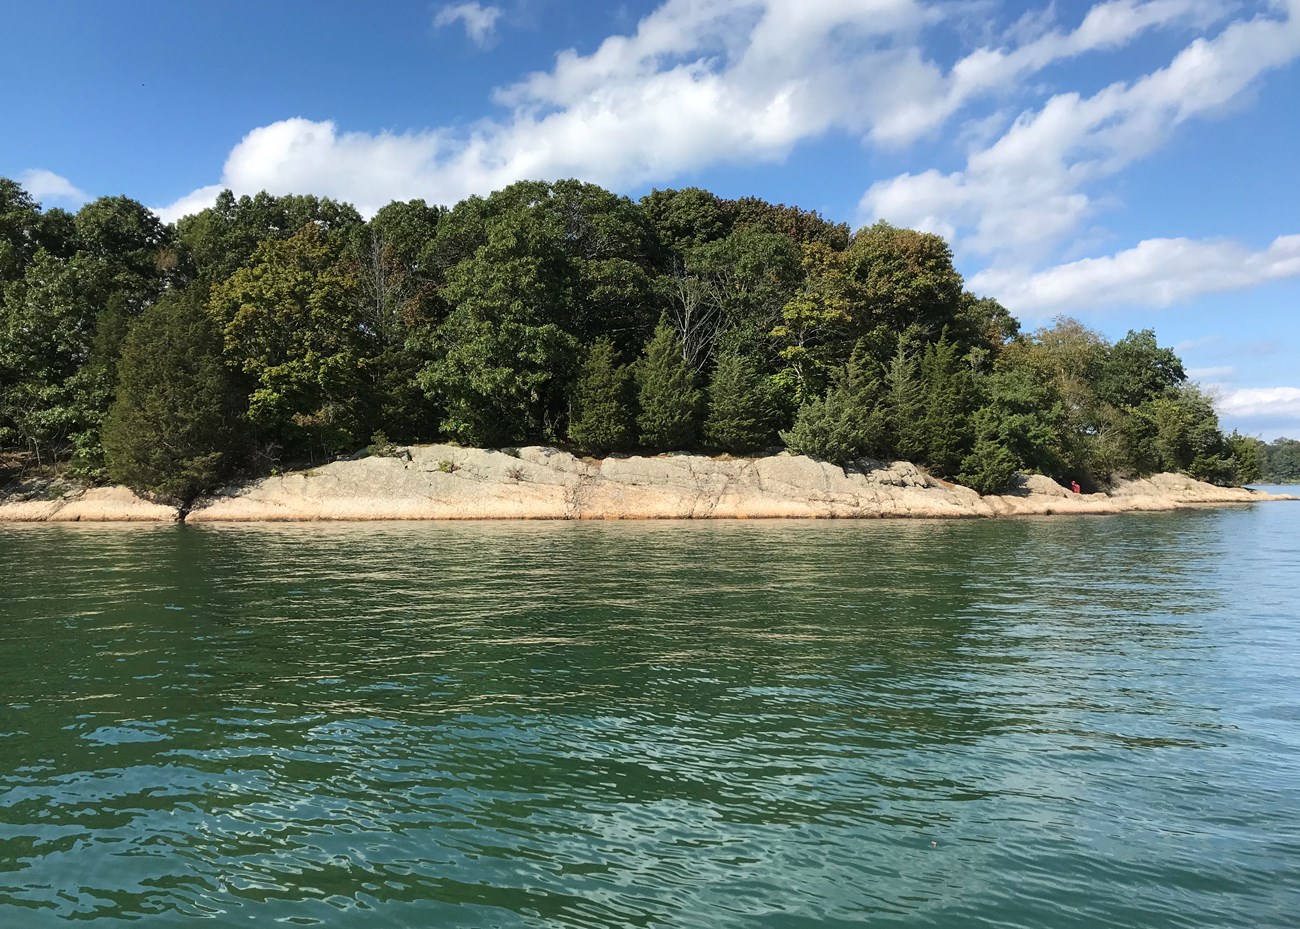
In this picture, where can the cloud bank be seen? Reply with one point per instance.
(704, 84)
(1156, 272)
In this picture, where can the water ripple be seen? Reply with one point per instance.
(1065, 722)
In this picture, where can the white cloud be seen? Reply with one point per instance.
(1156, 272)
(1215, 376)
(1272, 403)
(479, 21)
(696, 84)
(1023, 194)
(46, 185)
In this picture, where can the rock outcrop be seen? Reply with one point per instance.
(448, 482)
(91, 505)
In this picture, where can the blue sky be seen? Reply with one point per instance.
(1128, 162)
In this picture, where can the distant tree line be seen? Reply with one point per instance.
(271, 330)
(1280, 461)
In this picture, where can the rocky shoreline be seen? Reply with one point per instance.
(449, 482)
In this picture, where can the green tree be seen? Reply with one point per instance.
(669, 400)
(812, 334)
(601, 420)
(1017, 429)
(1137, 369)
(907, 279)
(904, 403)
(1249, 456)
(848, 423)
(216, 242)
(52, 401)
(1178, 430)
(684, 219)
(170, 430)
(950, 398)
(740, 417)
(502, 358)
(20, 216)
(290, 326)
(1281, 463)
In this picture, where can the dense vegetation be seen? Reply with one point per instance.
(1280, 461)
(269, 330)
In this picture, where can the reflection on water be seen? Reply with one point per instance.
(1065, 722)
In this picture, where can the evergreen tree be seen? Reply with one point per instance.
(601, 419)
(170, 430)
(949, 397)
(905, 405)
(669, 399)
(740, 416)
(846, 424)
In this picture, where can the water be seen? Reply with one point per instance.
(1067, 722)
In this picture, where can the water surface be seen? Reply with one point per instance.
(1068, 722)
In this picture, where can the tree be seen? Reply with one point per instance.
(1249, 456)
(803, 227)
(502, 359)
(740, 413)
(171, 428)
(216, 242)
(684, 219)
(907, 278)
(20, 216)
(290, 326)
(950, 397)
(668, 397)
(1015, 430)
(1178, 430)
(53, 400)
(845, 425)
(1282, 461)
(1137, 369)
(815, 323)
(600, 420)
(904, 402)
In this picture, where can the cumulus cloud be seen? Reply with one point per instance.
(1274, 405)
(46, 185)
(1156, 272)
(695, 84)
(479, 21)
(1021, 195)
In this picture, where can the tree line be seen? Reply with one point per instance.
(1280, 461)
(271, 330)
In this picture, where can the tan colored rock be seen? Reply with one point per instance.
(97, 504)
(447, 482)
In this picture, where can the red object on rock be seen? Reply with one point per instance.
(1074, 485)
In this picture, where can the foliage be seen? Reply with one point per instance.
(170, 431)
(669, 400)
(739, 411)
(289, 324)
(1281, 463)
(601, 418)
(501, 321)
(846, 424)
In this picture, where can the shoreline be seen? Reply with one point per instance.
(444, 482)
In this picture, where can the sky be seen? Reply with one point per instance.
(1130, 163)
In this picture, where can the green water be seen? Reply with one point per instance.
(1066, 722)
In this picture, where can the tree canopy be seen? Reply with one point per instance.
(289, 329)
